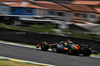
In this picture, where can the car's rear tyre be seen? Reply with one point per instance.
(44, 47)
(87, 52)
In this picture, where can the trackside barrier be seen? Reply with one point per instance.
(36, 38)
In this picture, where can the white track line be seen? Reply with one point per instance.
(24, 47)
(27, 61)
(18, 45)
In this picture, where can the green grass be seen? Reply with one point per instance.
(2, 25)
(48, 29)
(45, 29)
(81, 34)
(11, 63)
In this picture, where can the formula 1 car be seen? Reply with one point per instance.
(71, 49)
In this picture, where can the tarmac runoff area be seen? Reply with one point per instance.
(18, 51)
(34, 46)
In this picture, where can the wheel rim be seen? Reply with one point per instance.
(70, 51)
(43, 46)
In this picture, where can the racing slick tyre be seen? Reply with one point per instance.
(70, 51)
(44, 47)
(87, 52)
(55, 50)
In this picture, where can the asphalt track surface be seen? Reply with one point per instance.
(47, 57)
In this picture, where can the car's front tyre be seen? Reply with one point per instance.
(44, 47)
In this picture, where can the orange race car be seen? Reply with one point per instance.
(67, 47)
